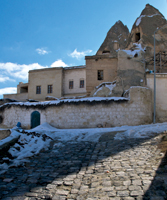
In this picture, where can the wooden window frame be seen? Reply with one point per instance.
(50, 89)
(100, 75)
(71, 84)
(38, 89)
(82, 83)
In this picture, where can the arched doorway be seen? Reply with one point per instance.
(35, 119)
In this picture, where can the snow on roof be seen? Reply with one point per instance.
(57, 102)
(75, 67)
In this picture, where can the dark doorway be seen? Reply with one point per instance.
(137, 37)
(35, 119)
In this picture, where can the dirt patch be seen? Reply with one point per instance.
(4, 134)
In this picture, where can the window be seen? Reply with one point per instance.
(100, 75)
(70, 84)
(81, 83)
(137, 37)
(38, 90)
(50, 89)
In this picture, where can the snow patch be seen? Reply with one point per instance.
(28, 145)
(56, 102)
(137, 50)
(110, 87)
(142, 131)
(141, 16)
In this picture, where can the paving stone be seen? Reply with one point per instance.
(124, 193)
(88, 171)
(62, 192)
(134, 187)
(136, 182)
(8, 180)
(128, 198)
(137, 193)
(107, 189)
(31, 194)
(117, 188)
(112, 193)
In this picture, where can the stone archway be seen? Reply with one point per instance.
(35, 119)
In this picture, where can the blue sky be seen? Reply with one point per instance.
(50, 33)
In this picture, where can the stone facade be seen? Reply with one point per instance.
(161, 95)
(99, 63)
(75, 74)
(134, 111)
(56, 77)
(43, 78)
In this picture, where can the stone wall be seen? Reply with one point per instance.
(134, 111)
(161, 95)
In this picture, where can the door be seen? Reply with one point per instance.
(35, 119)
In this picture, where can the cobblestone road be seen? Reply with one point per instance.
(120, 170)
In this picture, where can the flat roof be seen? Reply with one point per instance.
(58, 68)
(75, 67)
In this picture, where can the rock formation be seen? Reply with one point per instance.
(143, 30)
(130, 55)
(116, 39)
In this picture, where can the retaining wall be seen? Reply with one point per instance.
(135, 110)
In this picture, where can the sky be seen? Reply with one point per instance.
(36, 34)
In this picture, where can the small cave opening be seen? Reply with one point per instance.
(106, 51)
(137, 37)
(1, 119)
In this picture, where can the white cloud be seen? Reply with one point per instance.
(5, 78)
(8, 90)
(42, 51)
(78, 55)
(59, 63)
(18, 71)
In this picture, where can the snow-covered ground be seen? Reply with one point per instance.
(31, 142)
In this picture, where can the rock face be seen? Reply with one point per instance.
(116, 39)
(143, 31)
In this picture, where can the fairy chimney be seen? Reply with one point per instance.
(116, 39)
(143, 30)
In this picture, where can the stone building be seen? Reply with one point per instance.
(50, 83)
(123, 58)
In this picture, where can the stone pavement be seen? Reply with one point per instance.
(108, 169)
